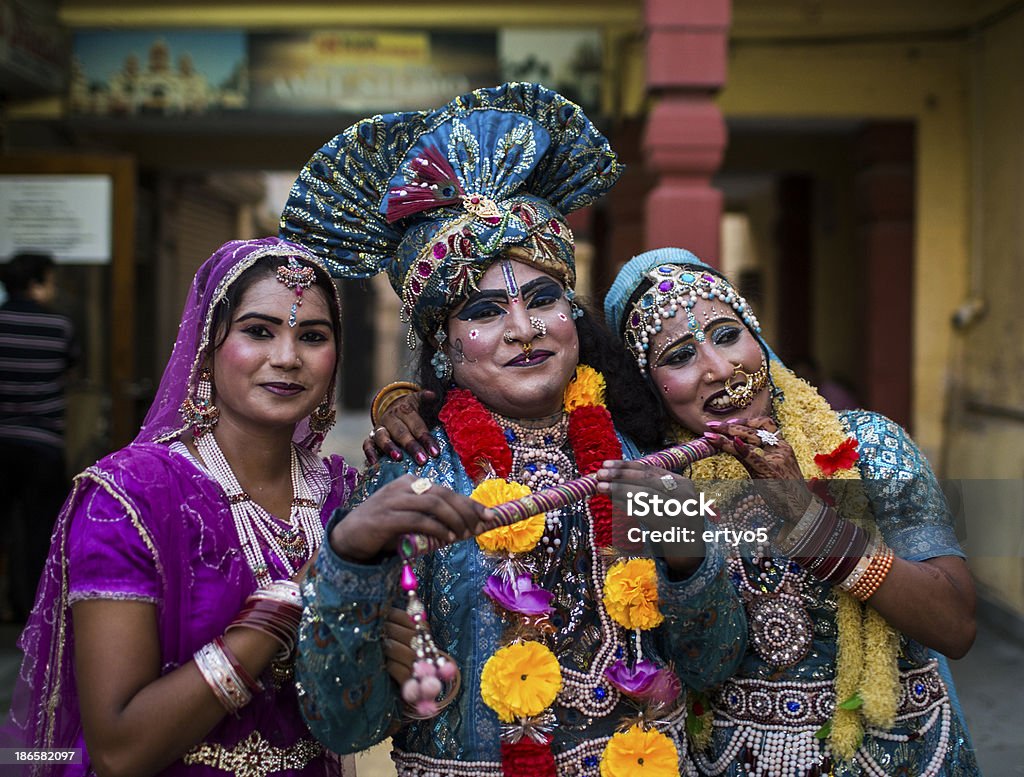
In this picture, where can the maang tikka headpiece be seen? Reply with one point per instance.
(299, 277)
(676, 289)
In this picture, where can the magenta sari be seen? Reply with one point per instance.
(148, 524)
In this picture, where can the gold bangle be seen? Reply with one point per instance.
(386, 397)
(799, 531)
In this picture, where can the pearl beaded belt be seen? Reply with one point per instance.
(254, 756)
(800, 704)
(774, 724)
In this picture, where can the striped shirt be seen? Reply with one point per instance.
(36, 349)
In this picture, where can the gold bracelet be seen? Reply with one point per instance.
(386, 397)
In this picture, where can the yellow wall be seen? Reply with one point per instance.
(925, 83)
(990, 361)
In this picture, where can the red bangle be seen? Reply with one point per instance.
(254, 686)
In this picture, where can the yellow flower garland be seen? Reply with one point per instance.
(523, 679)
(867, 644)
(639, 752)
(520, 680)
(518, 537)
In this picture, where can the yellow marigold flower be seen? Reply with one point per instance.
(586, 389)
(520, 680)
(639, 753)
(631, 594)
(518, 537)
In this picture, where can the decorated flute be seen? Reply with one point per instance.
(676, 458)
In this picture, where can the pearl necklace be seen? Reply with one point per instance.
(292, 544)
(540, 460)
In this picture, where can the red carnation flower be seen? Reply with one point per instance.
(527, 758)
(476, 438)
(843, 457)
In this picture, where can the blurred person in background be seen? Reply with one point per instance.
(37, 347)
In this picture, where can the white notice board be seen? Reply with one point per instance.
(68, 216)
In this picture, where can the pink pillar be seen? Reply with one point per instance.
(685, 135)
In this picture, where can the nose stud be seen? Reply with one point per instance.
(539, 326)
(508, 337)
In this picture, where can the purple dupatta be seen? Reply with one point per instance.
(178, 515)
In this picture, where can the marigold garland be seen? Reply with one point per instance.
(631, 593)
(867, 646)
(518, 537)
(477, 440)
(520, 680)
(639, 752)
(594, 441)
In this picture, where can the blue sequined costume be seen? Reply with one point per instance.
(351, 703)
(766, 716)
(763, 700)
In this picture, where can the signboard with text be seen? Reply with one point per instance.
(68, 216)
(366, 71)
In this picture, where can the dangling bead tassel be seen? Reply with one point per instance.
(430, 669)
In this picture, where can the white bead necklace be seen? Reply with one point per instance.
(540, 460)
(292, 544)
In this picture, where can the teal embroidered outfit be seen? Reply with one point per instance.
(778, 713)
(436, 199)
(350, 703)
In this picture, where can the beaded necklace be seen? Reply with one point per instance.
(539, 460)
(491, 449)
(257, 529)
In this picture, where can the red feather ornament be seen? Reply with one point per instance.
(432, 184)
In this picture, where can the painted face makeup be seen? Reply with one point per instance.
(513, 342)
(692, 376)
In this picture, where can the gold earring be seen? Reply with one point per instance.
(199, 411)
(322, 419)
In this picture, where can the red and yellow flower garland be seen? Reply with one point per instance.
(521, 680)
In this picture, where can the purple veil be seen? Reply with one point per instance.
(212, 281)
(44, 709)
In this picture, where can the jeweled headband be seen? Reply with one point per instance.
(674, 291)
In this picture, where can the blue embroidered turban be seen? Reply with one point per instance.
(433, 197)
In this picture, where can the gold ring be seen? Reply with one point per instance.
(421, 485)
